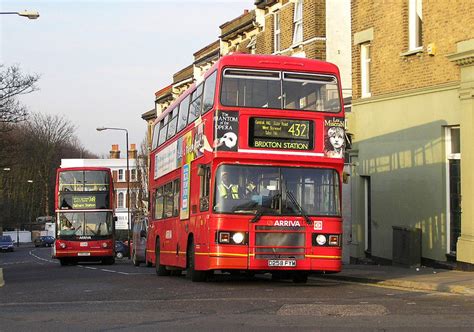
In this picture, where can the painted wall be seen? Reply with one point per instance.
(400, 145)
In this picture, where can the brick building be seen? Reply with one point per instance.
(411, 120)
(316, 29)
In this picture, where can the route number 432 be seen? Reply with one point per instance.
(298, 130)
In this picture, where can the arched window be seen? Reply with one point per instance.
(120, 200)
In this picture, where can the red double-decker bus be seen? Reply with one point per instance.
(84, 206)
(246, 171)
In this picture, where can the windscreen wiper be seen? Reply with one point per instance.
(300, 208)
(258, 214)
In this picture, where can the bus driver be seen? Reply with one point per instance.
(226, 189)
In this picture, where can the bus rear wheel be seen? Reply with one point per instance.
(192, 273)
(160, 269)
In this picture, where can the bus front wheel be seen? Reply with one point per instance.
(193, 274)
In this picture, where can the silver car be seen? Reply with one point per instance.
(140, 227)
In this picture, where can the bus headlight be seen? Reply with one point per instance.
(238, 238)
(62, 245)
(226, 237)
(321, 239)
(104, 245)
(328, 240)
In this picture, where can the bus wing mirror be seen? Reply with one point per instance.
(142, 233)
(115, 219)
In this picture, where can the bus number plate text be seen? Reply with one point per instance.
(282, 262)
(83, 254)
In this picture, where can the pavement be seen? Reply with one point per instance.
(413, 278)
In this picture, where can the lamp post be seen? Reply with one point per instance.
(127, 177)
(4, 198)
(29, 215)
(32, 15)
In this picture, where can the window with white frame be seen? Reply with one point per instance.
(276, 32)
(415, 24)
(121, 176)
(298, 22)
(133, 175)
(120, 200)
(365, 70)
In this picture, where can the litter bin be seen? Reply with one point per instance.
(406, 246)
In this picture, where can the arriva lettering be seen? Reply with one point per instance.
(287, 223)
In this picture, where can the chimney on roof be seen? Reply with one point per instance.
(132, 153)
(115, 152)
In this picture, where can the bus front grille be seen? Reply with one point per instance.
(279, 245)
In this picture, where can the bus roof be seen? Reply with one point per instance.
(259, 61)
(83, 168)
(276, 61)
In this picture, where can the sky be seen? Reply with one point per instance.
(101, 61)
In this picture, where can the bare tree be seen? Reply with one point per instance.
(142, 179)
(12, 84)
(38, 144)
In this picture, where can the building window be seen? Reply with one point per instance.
(415, 24)
(120, 200)
(121, 176)
(276, 32)
(298, 22)
(252, 45)
(365, 70)
(133, 175)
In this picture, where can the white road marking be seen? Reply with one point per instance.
(81, 266)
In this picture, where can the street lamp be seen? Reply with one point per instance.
(32, 15)
(127, 177)
(5, 198)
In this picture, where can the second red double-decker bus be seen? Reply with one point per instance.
(246, 171)
(84, 215)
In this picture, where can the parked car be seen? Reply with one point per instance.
(139, 241)
(121, 250)
(6, 243)
(44, 241)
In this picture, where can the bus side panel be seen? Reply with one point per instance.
(199, 221)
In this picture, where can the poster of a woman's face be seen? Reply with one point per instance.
(334, 141)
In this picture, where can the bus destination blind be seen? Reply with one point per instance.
(286, 134)
(83, 202)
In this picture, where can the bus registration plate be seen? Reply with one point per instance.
(83, 254)
(282, 262)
